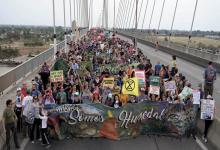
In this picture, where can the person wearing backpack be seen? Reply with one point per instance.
(209, 77)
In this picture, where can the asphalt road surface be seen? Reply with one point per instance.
(140, 143)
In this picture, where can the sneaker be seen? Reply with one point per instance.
(32, 142)
(48, 146)
(206, 140)
(39, 139)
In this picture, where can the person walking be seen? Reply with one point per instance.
(18, 108)
(10, 119)
(37, 121)
(44, 118)
(208, 123)
(209, 77)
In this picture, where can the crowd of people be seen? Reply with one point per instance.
(84, 84)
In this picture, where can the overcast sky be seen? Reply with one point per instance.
(39, 12)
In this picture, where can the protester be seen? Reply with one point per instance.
(208, 123)
(44, 118)
(10, 120)
(35, 129)
(27, 115)
(18, 109)
(209, 77)
(45, 73)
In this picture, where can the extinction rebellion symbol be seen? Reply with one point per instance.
(130, 85)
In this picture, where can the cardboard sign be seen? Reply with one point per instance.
(185, 92)
(56, 76)
(108, 82)
(170, 85)
(154, 90)
(207, 109)
(155, 80)
(196, 97)
(141, 78)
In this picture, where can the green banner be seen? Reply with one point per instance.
(97, 120)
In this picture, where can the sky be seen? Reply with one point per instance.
(39, 12)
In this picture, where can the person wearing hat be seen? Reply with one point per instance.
(18, 108)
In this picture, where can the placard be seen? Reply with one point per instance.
(108, 82)
(154, 90)
(56, 76)
(170, 85)
(207, 109)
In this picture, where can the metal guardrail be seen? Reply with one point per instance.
(10, 77)
(191, 51)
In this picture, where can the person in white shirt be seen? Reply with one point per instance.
(26, 107)
(44, 118)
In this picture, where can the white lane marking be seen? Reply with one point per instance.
(202, 146)
(24, 143)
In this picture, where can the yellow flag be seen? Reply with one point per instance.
(130, 87)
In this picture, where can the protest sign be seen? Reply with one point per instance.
(154, 80)
(207, 109)
(56, 76)
(131, 87)
(154, 90)
(185, 92)
(170, 85)
(196, 97)
(108, 82)
(141, 78)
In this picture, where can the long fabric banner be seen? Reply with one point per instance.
(97, 120)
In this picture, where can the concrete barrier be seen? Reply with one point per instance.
(214, 131)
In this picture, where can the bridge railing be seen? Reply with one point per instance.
(19, 72)
(189, 50)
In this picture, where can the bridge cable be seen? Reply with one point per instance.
(161, 15)
(118, 14)
(152, 13)
(131, 14)
(174, 16)
(140, 11)
(190, 32)
(127, 15)
(145, 12)
(121, 15)
(64, 15)
(125, 12)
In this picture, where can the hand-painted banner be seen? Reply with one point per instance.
(56, 76)
(207, 109)
(132, 120)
